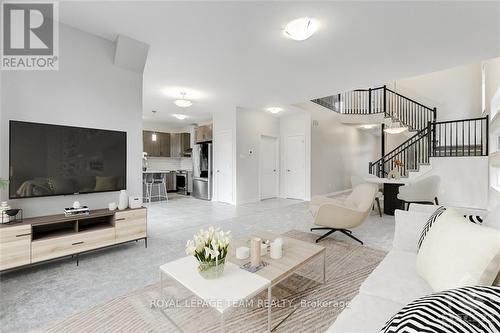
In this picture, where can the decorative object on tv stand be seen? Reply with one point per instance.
(210, 248)
(134, 202)
(112, 206)
(10, 215)
(4, 206)
(394, 173)
(123, 200)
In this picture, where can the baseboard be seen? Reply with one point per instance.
(335, 193)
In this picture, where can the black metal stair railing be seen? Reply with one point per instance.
(407, 156)
(454, 138)
(464, 137)
(393, 105)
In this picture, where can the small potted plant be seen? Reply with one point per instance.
(3, 183)
(210, 248)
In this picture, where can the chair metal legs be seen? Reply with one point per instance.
(436, 201)
(332, 230)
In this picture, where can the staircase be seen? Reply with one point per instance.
(430, 138)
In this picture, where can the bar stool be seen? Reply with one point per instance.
(158, 180)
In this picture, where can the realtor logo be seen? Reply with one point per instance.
(30, 36)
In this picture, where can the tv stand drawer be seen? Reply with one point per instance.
(130, 225)
(66, 245)
(15, 246)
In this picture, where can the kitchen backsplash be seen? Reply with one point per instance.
(170, 163)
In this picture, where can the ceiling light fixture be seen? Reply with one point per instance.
(301, 28)
(274, 109)
(180, 116)
(153, 136)
(368, 126)
(183, 102)
(395, 129)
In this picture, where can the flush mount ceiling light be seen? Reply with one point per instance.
(395, 129)
(274, 109)
(183, 102)
(301, 28)
(180, 116)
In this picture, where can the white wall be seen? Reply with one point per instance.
(492, 69)
(250, 126)
(88, 91)
(170, 163)
(223, 121)
(339, 151)
(464, 181)
(298, 123)
(455, 92)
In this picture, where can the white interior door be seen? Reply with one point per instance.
(295, 163)
(268, 167)
(224, 166)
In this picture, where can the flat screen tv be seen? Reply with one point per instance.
(47, 160)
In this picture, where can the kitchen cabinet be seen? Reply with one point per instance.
(179, 144)
(164, 139)
(166, 144)
(171, 181)
(175, 145)
(204, 133)
(158, 148)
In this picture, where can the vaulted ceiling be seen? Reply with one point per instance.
(228, 54)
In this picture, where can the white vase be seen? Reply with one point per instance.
(123, 200)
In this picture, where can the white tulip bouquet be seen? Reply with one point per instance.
(209, 247)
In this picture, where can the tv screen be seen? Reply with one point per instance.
(48, 160)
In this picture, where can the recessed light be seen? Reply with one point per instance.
(274, 109)
(301, 28)
(183, 102)
(180, 116)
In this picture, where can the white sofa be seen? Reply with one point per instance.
(395, 282)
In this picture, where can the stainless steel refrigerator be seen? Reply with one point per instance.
(202, 171)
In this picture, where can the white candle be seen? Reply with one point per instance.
(255, 252)
(242, 252)
(276, 249)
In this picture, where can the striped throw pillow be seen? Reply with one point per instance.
(471, 218)
(461, 310)
(428, 225)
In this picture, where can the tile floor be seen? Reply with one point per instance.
(33, 298)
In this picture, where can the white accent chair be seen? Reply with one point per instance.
(424, 191)
(334, 215)
(357, 180)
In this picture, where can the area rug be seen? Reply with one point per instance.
(300, 304)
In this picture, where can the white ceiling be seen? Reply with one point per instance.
(228, 54)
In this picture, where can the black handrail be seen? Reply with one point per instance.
(411, 100)
(450, 138)
(419, 133)
(411, 113)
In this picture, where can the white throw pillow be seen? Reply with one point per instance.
(456, 253)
